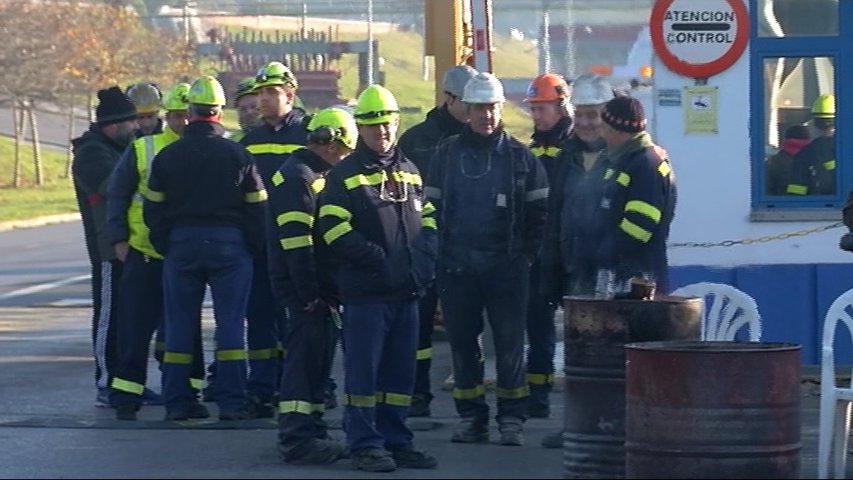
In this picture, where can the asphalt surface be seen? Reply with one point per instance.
(52, 429)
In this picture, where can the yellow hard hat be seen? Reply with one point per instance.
(245, 87)
(275, 74)
(375, 105)
(206, 90)
(333, 124)
(145, 97)
(824, 106)
(176, 97)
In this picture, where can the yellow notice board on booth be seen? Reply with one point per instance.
(700, 109)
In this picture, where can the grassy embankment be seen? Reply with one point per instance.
(401, 52)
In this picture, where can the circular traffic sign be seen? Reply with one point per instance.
(699, 38)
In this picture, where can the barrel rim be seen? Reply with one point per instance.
(712, 346)
(664, 299)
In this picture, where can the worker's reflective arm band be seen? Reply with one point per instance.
(256, 197)
(273, 148)
(341, 228)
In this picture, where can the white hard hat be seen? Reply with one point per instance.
(591, 89)
(483, 88)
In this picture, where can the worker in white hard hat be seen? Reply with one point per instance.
(568, 265)
(490, 195)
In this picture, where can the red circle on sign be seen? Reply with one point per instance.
(699, 70)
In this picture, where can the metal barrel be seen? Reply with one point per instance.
(596, 332)
(712, 410)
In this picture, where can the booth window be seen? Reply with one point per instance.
(797, 49)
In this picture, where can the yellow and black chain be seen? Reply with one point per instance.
(748, 241)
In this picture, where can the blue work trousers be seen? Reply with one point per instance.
(427, 306)
(380, 341)
(310, 345)
(200, 256)
(263, 322)
(140, 315)
(501, 289)
(541, 337)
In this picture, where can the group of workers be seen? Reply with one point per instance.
(314, 229)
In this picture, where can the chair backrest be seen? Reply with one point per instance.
(841, 311)
(725, 311)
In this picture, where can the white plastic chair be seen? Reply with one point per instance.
(725, 310)
(834, 426)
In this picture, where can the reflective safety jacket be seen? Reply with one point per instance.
(546, 146)
(374, 217)
(203, 179)
(636, 210)
(297, 272)
(124, 195)
(813, 172)
(491, 197)
(270, 145)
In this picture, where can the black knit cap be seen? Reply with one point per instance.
(625, 114)
(113, 107)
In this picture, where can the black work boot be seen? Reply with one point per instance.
(316, 451)
(410, 458)
(512, 431)
(471, 430)
(126, 412)
(420, 405)
(373, 460)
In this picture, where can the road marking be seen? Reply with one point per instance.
(43, 286)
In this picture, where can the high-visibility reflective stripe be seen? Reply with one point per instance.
(395, 399)
(318, 185)
(261, 353)
(336, 232)
(416, 203)
(256, 197)
(407, 177)
(127, 386)
(540, 378)
(608, 173)
(623, 179)
(829, 165)
(154, 195)
(433, 192)
(295, 216)
(538, 194)
(274, 148)
(335, 211)
(513, 393)
(296, 242)
(299, 406)
(795, 189)
(230, 355)
(635, 230)
(428, 208)
(178, 358)
(424, 354)
(549, 151)
(197, 383)
(664, 169)
(362, 179)
(643, 208)
(469, 393)
(364, 401)
(277, 179)
(429, 223)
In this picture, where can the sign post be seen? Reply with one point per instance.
(699, 38)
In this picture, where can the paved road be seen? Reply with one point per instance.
(53, 429)
(52, 126)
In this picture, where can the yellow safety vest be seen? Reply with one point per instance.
(144, 150)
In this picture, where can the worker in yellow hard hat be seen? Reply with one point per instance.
(302, 285)
(141, 300)
(813, 171)
(205, 206)
(147, 99)
(281, 132)
(246, 103)
(381, 231)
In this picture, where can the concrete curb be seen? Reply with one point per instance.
(39, 221)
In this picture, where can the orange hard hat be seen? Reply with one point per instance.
(548, 87)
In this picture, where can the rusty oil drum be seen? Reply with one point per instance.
(596, 332)
(713, 410)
